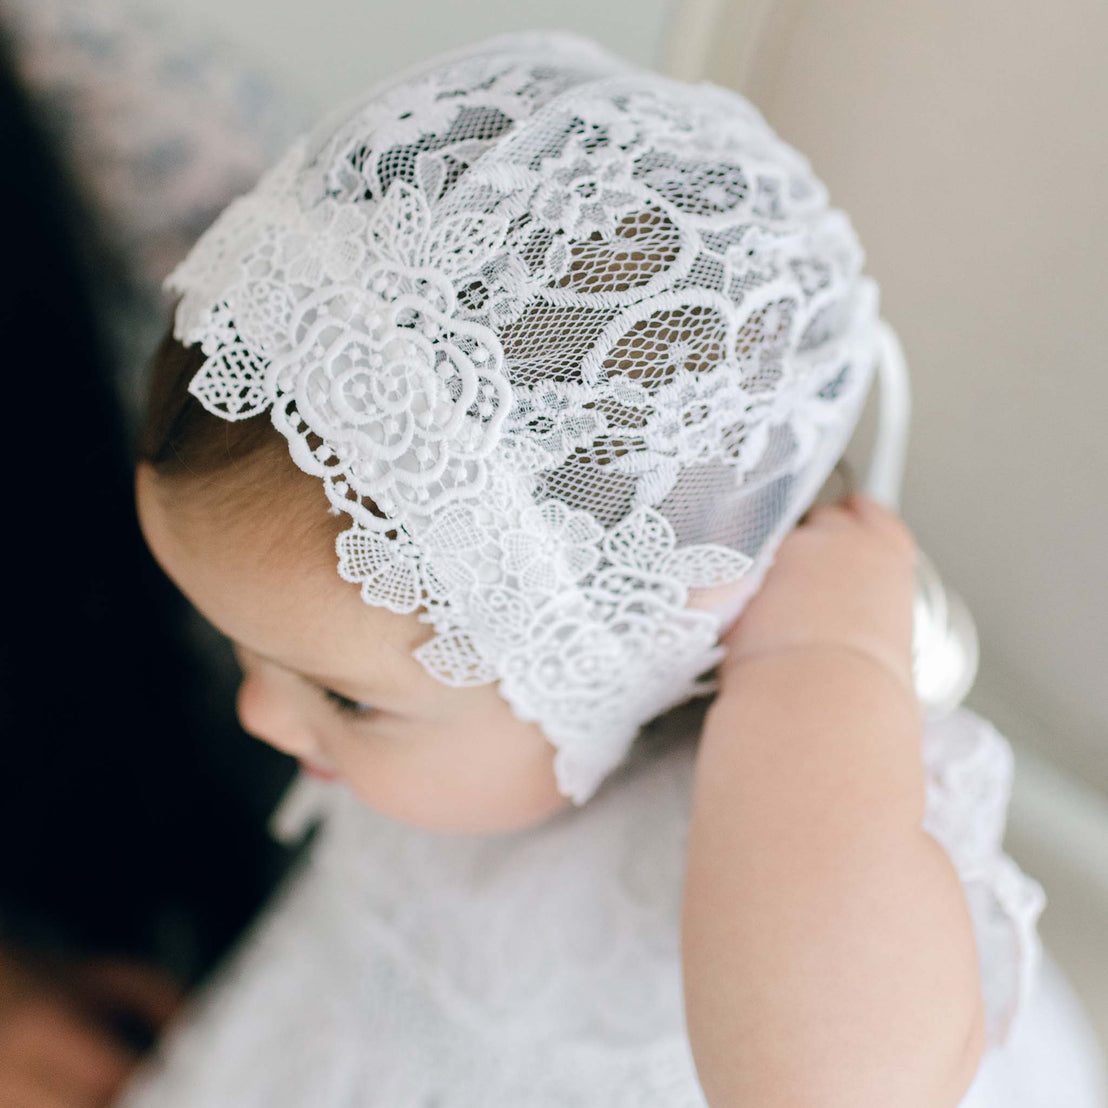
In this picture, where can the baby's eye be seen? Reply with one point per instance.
(347, 706)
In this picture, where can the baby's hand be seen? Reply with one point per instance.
(842, 580)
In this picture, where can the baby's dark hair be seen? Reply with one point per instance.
(179, 437)
(240, 471)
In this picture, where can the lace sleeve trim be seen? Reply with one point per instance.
(968, 766)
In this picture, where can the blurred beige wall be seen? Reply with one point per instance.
(968, 139)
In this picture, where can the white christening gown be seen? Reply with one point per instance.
(401, 968)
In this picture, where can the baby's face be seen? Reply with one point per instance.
(332, 681)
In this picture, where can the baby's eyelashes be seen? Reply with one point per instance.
(347, 706)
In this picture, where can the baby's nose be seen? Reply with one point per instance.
(268, 716)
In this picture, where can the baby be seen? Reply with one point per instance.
(555, 353)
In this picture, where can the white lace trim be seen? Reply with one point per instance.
(969, 781)
(565, 340)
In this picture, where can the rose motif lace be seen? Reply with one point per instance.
(565, 340)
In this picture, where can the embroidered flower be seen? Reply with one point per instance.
(552, 547)
(585, 191)
(595, 660)
(332, 247)
(492, 329)
(695, 419)
(548, 421)
(387, 569)
(411, 412)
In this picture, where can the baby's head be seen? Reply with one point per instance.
(552, 352)
(332, 680)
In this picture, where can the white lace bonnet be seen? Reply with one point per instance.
(569, 341)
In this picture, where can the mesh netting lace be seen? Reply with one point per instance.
(568, 341)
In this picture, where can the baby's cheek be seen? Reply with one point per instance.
(373, 779)
(382, 767)
(452, 778)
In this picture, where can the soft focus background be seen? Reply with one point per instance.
(966, 139)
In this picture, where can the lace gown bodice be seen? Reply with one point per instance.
(400, 967)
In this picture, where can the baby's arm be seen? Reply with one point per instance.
(828, 949)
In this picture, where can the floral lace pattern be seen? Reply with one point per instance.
(565, 339)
